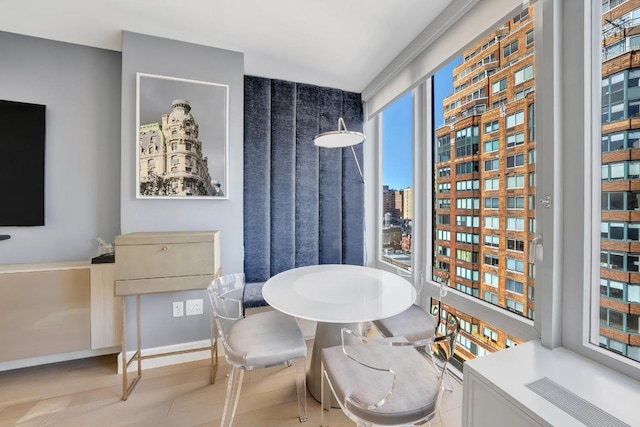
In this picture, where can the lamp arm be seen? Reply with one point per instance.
(357, 162)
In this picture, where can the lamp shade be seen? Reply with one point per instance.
(339, 138)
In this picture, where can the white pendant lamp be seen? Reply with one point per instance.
(341, 138)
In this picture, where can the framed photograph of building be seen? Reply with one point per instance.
(182, 138)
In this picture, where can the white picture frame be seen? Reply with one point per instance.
(182, 138)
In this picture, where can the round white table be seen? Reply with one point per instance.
(336, 296)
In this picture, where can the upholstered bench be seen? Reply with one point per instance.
(253, 295)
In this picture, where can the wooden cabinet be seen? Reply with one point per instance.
(44, 310)
(106, 328)
(166, 262)
(151, 263)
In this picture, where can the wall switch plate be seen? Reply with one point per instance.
(178, 309)
(194, 307)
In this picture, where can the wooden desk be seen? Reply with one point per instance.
(152, 263)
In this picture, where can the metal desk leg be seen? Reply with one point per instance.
(126, 387)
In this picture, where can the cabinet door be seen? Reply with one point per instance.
(44, 313)
(106, 328)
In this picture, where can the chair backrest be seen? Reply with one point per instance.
(443, 345)
(225, 297)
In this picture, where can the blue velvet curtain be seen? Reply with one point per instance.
(303, 205)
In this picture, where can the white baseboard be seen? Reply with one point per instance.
(173, 359)
(54, 358)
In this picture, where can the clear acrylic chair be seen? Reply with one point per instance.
(258, 341)
(415, 323)
(386, 382)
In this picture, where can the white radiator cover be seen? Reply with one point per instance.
(498, 390)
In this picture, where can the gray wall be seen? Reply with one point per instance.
(81, 88)
(153, 55)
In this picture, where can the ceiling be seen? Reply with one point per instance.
(343, 44)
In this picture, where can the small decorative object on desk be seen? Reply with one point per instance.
(106, 252)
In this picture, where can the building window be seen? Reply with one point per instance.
(515, 306)
(467, 289)
(469, 185)
(515, 265)
(467, 142)
(492, 222)
(443, 235)
(514, 286)
(467, 273)
(515, 182)
(515, 202)
(491, 165)
(468, 203)
(491, 127)
(444, 203)
(467, 256)
(491, 260)
(490, 297)
(515, 140)
(467, 221)
(491, 203)
(515, 161)
(491, 184)
(515, 119)
(444, 219)
(468, 238)
(467, 167)
(523, 75)
(510, 49)
(490, 334)
(492, 241)
(444, 148)
(491, 146)
(515, 224)
(444, 172)
(444, 188)
(532, 121)
(515, 245)
(443, 250)
(529, 38)
(499, 86)
(522, 93)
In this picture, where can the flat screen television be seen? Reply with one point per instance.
(22, 147)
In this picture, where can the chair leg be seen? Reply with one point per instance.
(446, 382)
(325, 398)
(301, 387)
(233, 394)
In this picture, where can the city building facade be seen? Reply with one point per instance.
(171, 160)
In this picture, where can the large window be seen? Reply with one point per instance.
(397, 195)
(582, 177)
(483, 253)
(619, 274)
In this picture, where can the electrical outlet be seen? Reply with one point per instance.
(194, 306)
(178, 309)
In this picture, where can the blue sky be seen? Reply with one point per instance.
(397, 129)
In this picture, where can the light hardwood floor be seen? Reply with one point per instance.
(87, 393)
